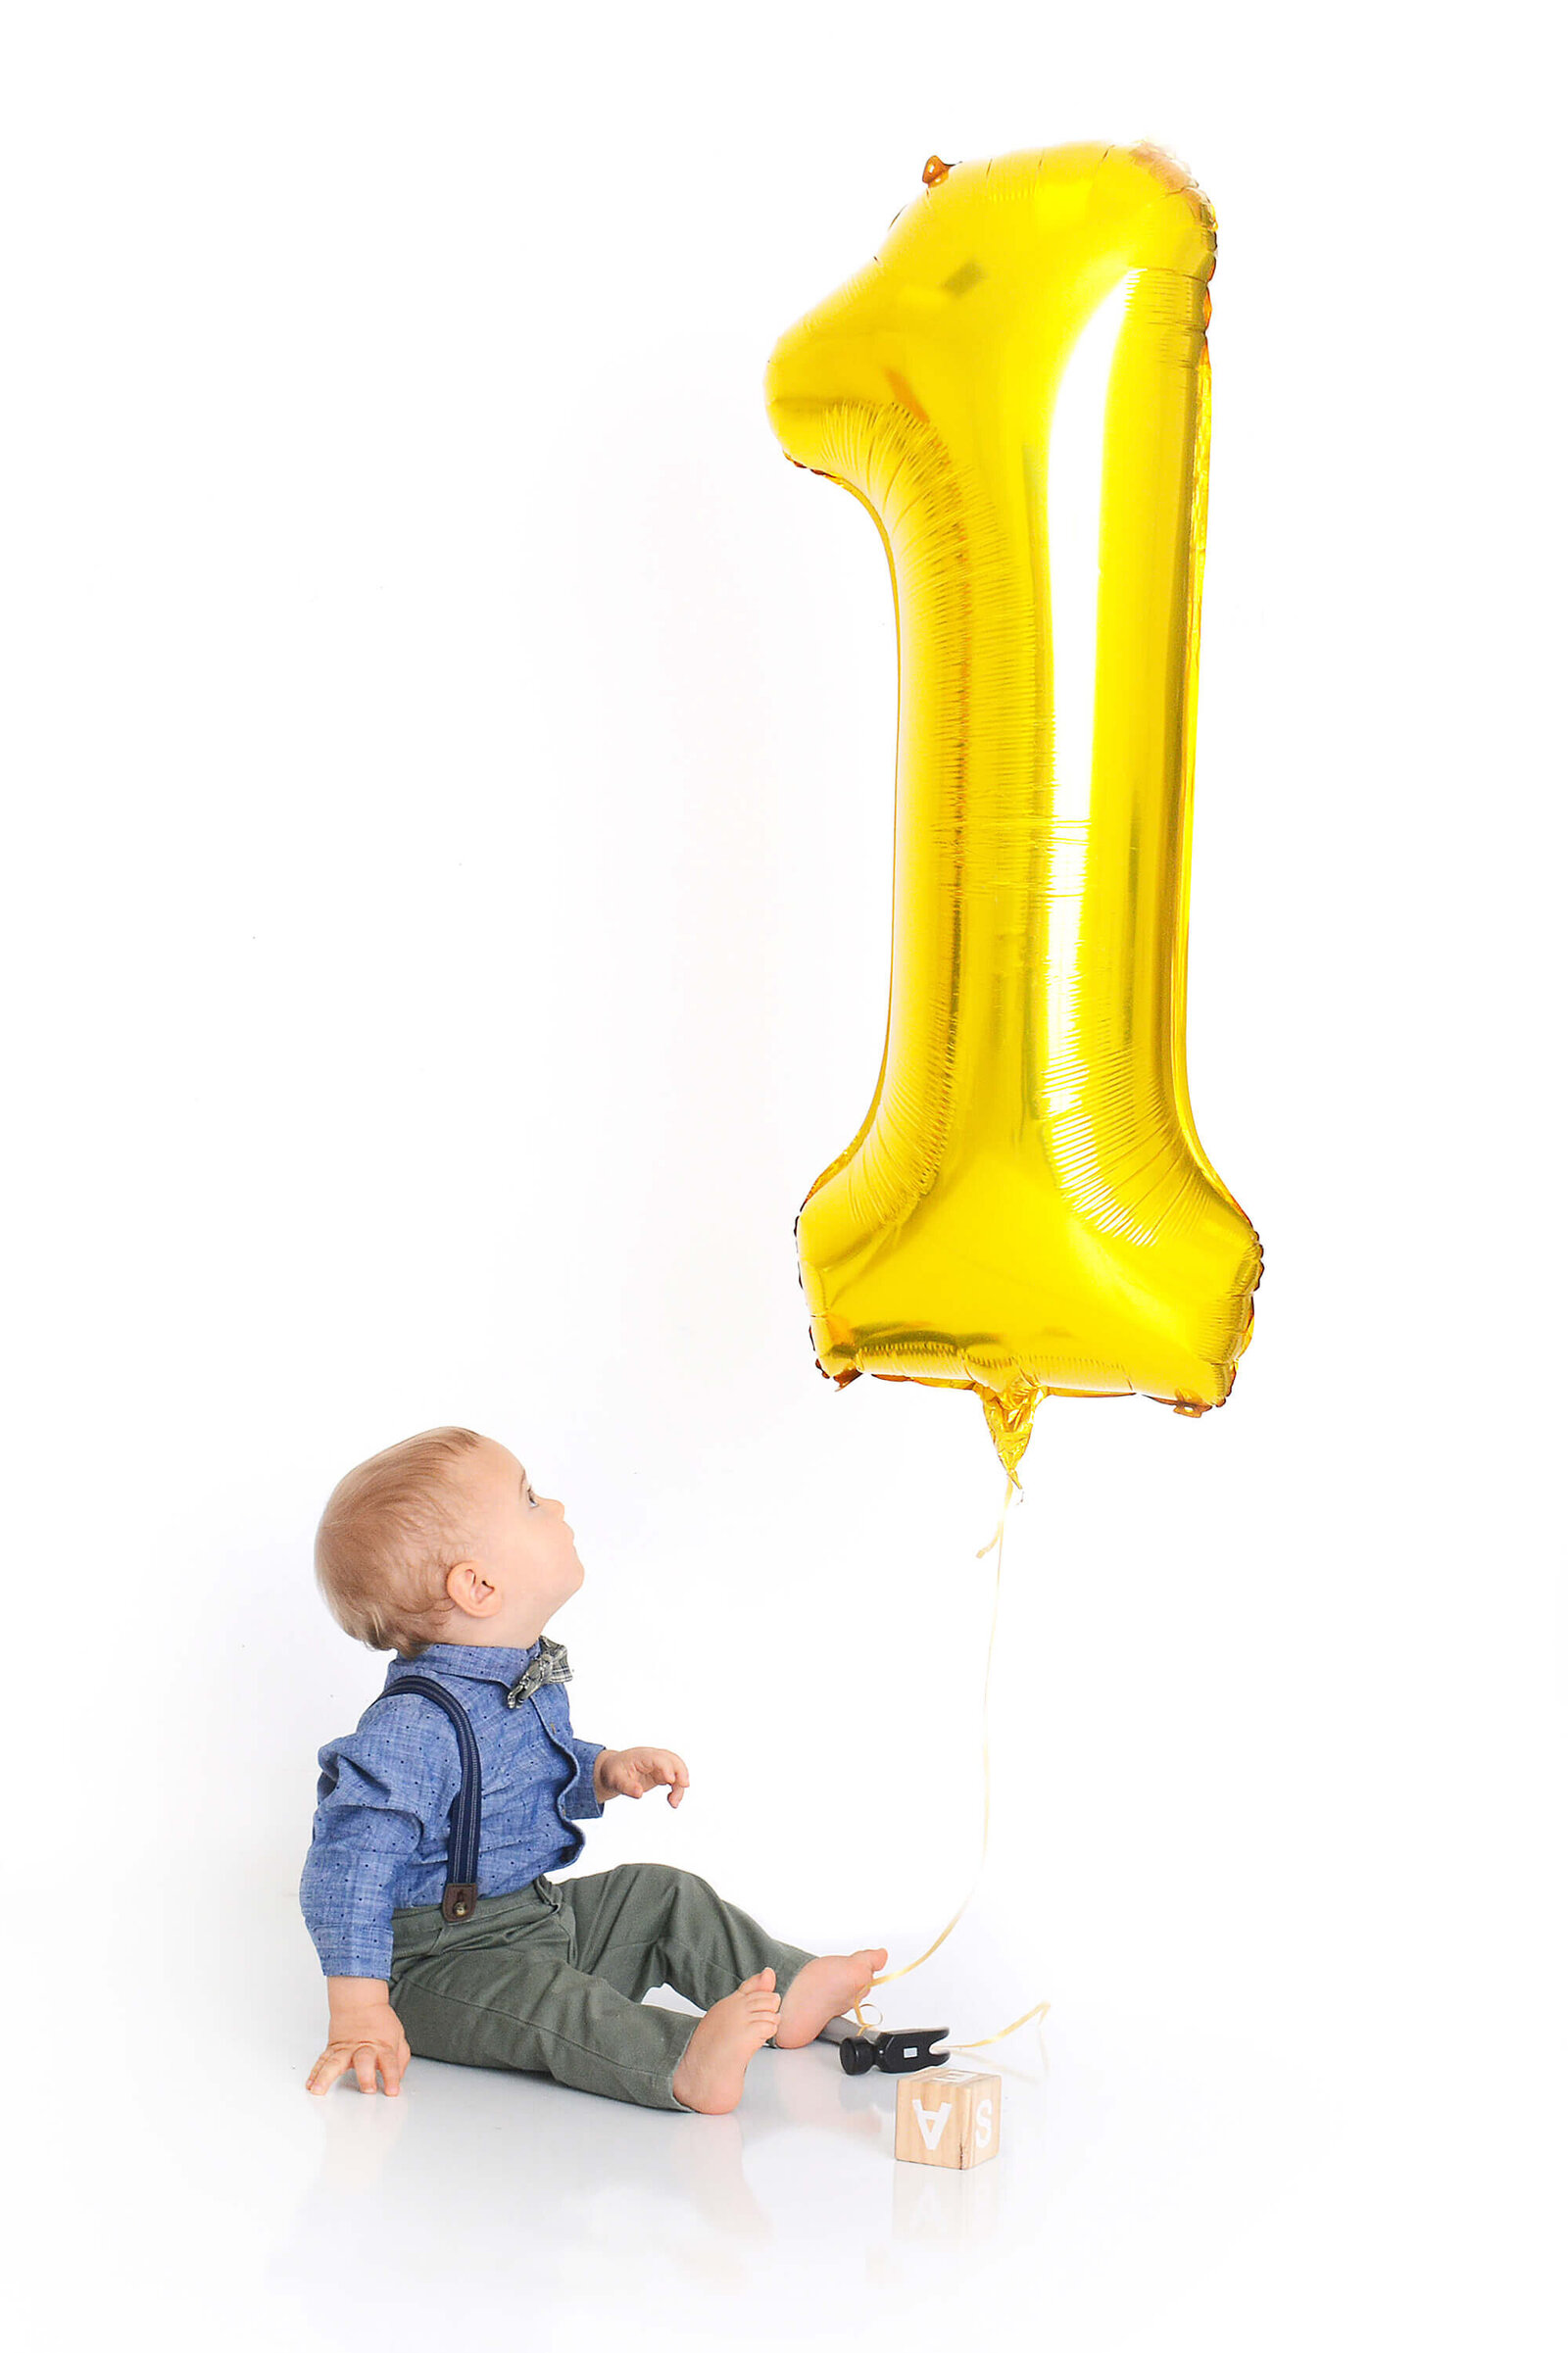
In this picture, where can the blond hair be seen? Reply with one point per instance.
(390, 1533)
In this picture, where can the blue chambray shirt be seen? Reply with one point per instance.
(380, 1839)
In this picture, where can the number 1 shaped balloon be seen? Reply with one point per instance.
(1017, 388)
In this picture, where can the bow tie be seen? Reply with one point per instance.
(548, 1667)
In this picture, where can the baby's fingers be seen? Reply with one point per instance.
(680, 1781)
(324, 2074)
(365, 2056)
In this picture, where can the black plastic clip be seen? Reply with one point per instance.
(898, 2053)
(458, 1899)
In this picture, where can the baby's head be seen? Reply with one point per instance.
(441, 1539)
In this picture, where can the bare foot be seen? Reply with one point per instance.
(725, 2041)
(825, 1989)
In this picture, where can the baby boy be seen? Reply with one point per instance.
(440, 1549)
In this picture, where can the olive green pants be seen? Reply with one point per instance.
(550, 1979)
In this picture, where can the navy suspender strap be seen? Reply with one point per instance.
(461, 1891)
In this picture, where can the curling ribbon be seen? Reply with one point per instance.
(1039, 2009)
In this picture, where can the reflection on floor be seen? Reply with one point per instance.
(508, 2196)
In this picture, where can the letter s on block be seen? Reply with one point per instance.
(1017, 388)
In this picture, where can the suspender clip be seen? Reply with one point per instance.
(458, 1899)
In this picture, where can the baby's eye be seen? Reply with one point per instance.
(533, 1501)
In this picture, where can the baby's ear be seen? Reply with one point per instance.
(469, 1589)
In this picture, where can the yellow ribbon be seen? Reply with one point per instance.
(977, 2041)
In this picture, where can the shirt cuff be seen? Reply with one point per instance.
(579, 1802)
(335, 1964)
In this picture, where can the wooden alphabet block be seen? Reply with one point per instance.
(948, 2117)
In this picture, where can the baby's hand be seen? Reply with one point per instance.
(362, 2033)
(633, 1772)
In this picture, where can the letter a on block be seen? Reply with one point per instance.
(950, 2118)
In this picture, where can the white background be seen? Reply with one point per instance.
(446, 924)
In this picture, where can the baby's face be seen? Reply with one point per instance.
(522, 1541)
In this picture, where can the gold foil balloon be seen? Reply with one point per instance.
(1017, 388)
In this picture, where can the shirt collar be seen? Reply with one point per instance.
(484, 1662)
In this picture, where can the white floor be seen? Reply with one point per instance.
(1160, 2184)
